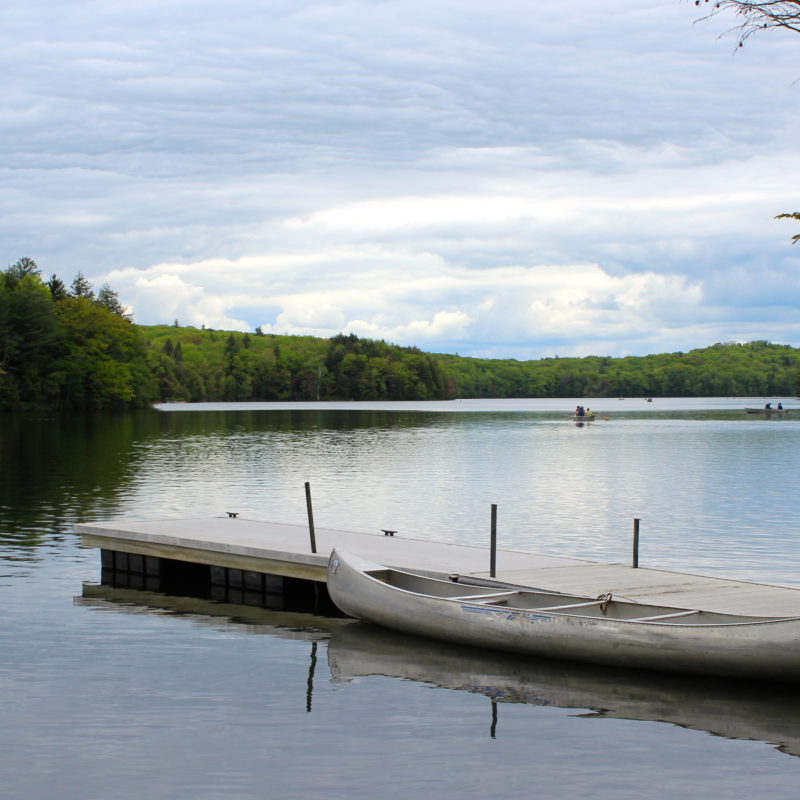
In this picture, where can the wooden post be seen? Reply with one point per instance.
(310, 518)
(493, 544)
(635, 563)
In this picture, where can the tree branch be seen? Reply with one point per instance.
(757, 15)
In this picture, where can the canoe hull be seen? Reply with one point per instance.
(756, 650)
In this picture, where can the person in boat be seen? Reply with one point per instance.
(780, 406)
(768, 405)
(579, 411)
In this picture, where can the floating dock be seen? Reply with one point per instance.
(256, 562)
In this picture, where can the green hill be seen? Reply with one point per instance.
(75, 349)
(194, 365)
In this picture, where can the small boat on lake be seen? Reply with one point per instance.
(768, 410)
(584, 418)
(598, 630)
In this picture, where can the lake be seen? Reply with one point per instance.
(110, 692)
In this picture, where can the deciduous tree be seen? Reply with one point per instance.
(756, 15)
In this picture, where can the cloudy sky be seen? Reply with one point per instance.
(498, 178)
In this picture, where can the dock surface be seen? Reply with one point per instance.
(284, 549)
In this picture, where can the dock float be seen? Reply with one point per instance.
(243, 560)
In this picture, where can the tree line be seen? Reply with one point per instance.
(722, 370)
(74, 348)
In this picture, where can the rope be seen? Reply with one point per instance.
(606, 599)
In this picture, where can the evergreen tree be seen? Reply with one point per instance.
(58, 291)
(109, 299)
(81, 287)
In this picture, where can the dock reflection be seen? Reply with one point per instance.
(728, 708)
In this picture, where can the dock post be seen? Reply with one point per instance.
(493, 544)
(635, 563)
(310, 519)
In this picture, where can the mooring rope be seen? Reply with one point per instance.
(606, 599)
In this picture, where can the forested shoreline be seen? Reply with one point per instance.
(72, 348)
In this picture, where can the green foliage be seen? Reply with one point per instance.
(29, 334)
(66, 351)
(81, 287)
(752, 369)
(22, 268)
(197, 365)
(109, 299)
(98, 354)
(58, 290)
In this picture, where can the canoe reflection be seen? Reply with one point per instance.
(729, 708)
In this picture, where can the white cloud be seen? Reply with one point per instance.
(464, 176)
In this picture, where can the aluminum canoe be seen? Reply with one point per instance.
(596, 630)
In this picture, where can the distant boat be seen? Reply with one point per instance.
(768, 410)
(584, 418)
(597, 630)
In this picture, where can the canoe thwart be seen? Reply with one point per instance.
(665, 616)
(492, 596)
(585, 604)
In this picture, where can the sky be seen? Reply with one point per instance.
(499, 179)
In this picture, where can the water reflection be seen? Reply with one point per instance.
(727, 708)
(708, 483)
(60, 467)
(733, 709)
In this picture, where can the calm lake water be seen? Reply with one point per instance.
(114, 693)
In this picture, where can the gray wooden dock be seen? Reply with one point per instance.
(280, 549)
